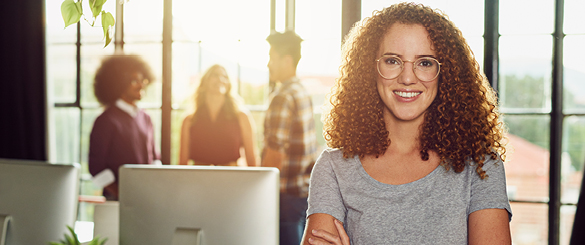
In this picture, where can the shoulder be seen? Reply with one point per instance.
(110, 113)
(490, 164)
(334, 159)
(188, 118)
(243, 117)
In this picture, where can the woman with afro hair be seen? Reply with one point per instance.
(123, 133)
(416, 141)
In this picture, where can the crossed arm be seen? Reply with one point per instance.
(324, 229)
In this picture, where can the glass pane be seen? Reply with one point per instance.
(573, 158)
(220, 20)
(567, 219)
(529, 224)
(224, 53)
(318, 20)
(86, 209)
(319, 24)
(527, 157)
(88, 117)
(573, 22)
(525, 75)
(258, 116)
(91, 59)
(253, 71)
(87, 120)
(95, 34)
(143, 20)
(66, 142)
(55, 26)
(574, 74)
(61, 73)
(185, 72)
(177, 117)
(468, 15)
(254, 85)
(152, 54)
(321, 144)
(476, 44)
(527, 17)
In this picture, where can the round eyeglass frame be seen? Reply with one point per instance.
(413, 67)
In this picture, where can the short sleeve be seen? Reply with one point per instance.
(491, 191)
(324, 191)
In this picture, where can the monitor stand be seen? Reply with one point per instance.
(4, 220)
(186, 236)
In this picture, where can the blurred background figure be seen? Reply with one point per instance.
(219, 128)
(290, 142)
(123, 133)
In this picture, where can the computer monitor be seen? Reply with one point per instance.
(40, 198)
(202, 205)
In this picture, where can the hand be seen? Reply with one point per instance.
(329, 238)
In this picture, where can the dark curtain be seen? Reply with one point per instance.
(22, 97)
(578, 235)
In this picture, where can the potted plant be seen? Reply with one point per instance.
(73, 240)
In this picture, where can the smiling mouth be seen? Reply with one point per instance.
(407, 94)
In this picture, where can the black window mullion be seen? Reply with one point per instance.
(556, 132)
(491, 40)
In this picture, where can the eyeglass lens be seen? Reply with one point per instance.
(425, 69)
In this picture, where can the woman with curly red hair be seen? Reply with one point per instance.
(416, 140)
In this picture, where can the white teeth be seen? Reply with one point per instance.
(407, 94)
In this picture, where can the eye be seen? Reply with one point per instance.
(393, 61)
(426, 63)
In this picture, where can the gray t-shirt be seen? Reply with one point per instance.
(431, 210)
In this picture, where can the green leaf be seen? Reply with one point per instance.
(74, 239)
(108, 25)
(69, 240)
(97, 241)
(71, 12)
(96, 6)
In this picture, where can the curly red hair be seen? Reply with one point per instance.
(462, 124)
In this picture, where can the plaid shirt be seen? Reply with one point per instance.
(289, 128)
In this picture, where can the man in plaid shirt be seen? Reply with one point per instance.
(290, 143)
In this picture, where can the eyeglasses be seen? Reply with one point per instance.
(425, 68)
(144, 82)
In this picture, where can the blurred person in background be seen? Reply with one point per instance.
(123, 133)
(290, 143)
(219, 128)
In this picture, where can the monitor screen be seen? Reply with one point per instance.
(41, 199)
(202, 205)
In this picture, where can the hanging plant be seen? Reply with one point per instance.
(73, 11)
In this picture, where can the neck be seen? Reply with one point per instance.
(404, 135)
(129, 101)
(214, 103)
(288, 75)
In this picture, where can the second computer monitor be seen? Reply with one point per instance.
(189, 204)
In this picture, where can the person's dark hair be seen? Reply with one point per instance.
(115, 74)
(461, 124)
(286, 43)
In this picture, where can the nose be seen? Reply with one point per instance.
(407, 76)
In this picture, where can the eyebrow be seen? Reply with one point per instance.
(416, 56)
